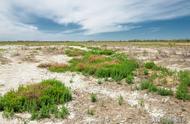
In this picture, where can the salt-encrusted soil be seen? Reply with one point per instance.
(19, 67)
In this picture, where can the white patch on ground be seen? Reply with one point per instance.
(79, 47)
(54, 59)
(14, 75)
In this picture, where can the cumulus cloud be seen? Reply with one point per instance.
(94, 16)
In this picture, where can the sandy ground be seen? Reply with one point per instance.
(139, 107)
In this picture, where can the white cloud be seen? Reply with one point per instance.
(94, 16)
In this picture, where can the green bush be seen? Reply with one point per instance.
(165, 92)
(39, 99)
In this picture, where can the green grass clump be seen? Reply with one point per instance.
(148, 85)
(117, 71)
(150, 65)
(165, 92)
(93, 97)
(153, 88)
(129, 79)
(182, 90)
(145, 72)
(40, 99)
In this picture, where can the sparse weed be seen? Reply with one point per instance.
(166, 121)
(91, 112)
(93, 97)
(71, 80)
(99, 82)
(141, 102)
(120, 100)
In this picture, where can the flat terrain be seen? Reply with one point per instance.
(116, 102)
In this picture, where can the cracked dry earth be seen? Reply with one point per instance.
(139, 107)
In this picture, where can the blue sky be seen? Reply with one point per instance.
(94, 20)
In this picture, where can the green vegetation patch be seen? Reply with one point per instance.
(102, 64)
(98, 51)
(182, 90)
(40, 99)
(153, 88)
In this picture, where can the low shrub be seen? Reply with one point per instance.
(40, 99)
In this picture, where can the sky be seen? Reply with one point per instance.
(94, 19)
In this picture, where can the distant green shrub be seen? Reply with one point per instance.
(40, 99)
